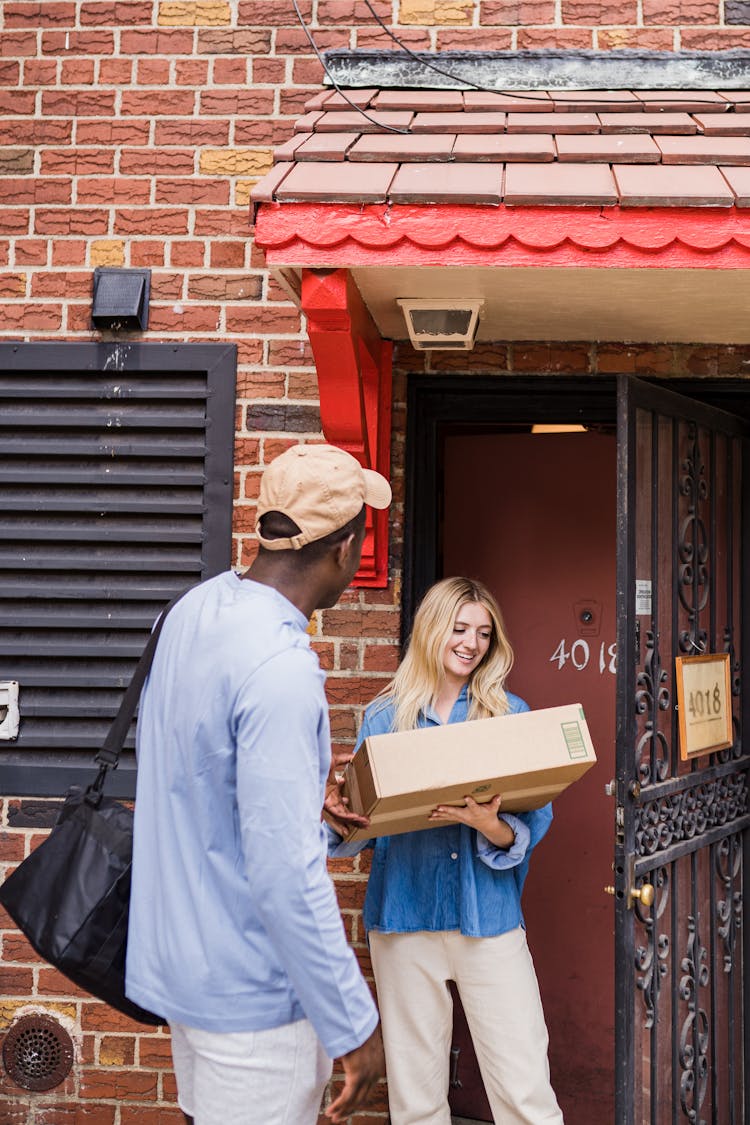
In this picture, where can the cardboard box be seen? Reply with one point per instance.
(398, 779)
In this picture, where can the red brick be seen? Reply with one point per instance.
(360, 623)
(588, 11)
(470, 39)
(115, 72)
(652, 39)
(12, 846)
(76, 161)
(153, 72)
(96, 1016)
(720, 39)
(148, 162)
(227, 41)
(289, 353)
(224, 287)
(61, 284)
(147, 253)
(382, 658)
(67, 1114)
(78, 103)
(244, 103)
(41, 13)
(78, 317)
(114, 133)
(269, 13)
(39, 72)
(10, 74)
(263, 319)
(52, 983)
(231, 221)
(155, 220)
(190, 253)
(35, 132)
(197, 131)
(31, 252)
(227, 255)
(69, 252)
(349, 660)
(77, 72)
(140, 1115)
(269, 72)
(118, 1050)
(18, 44)
(307, 72)
(353, 691)
(192, 191)
(546, 357)
(230, 72)
(621, 358)
(303, 384)
(191, 72)
(162, 41)
(674, 13)
(537, 38)
(17, 102)
(14, 220)
(154, 1051)
(60, 43)
(70, 221)
(143, 103)
(254, 132)
(125, 1085)
(113, 191)
(32, 318)
(511, 12)
(15, 981)
(117, 13)
(250, 351)
(187, 318)
(17, 948)
(368, 36)
(351, 12)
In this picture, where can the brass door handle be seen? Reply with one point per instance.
(645, 894)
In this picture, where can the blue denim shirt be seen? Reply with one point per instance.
(447, 878)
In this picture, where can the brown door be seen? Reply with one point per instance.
(534, 517)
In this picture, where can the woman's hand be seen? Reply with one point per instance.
(336, 805)
(483, 817)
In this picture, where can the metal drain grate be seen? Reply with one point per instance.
(37, 1053)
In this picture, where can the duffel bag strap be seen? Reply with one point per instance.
(109, 755)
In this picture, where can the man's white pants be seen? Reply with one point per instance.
(274, 1077)
(498, 988)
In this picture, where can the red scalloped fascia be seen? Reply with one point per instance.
(327, 234)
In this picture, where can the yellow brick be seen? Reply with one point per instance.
(200, 13)
(112, 1055)
(242, 190)
(431, 12)
(235, 161)
(107, 252)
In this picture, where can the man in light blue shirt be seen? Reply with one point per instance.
(235, 934)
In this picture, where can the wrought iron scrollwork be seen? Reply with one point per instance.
(652, 694)
(652, 959)
(694, 1036)
(692, 546)
(728, 861)
(690, 812)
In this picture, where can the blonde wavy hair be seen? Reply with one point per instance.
(416, 684)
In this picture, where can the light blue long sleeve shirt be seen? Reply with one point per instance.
(451, 877)
(234, 924)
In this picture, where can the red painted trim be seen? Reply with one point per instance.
(354, 381)
(314, 235)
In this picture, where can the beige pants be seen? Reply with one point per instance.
(498, 988)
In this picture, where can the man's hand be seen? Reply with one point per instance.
(363, 1068)
(483, 817)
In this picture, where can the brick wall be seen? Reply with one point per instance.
(131, 132)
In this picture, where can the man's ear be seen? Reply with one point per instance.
(342, 551)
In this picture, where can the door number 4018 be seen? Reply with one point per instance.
(580, 656)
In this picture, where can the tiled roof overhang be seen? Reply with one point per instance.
(610, 178)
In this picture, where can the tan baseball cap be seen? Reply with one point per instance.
(320, 488)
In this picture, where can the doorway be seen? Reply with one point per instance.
(566, 533)
(533, 517)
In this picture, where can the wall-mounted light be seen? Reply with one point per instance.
(121, 298)
(441, 324)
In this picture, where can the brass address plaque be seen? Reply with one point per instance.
(704, 703)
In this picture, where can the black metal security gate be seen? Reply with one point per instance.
(680, 825)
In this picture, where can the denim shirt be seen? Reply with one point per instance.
(451, 877)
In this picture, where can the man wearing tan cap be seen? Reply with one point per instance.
(235, 934)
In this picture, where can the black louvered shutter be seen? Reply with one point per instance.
(115, 494)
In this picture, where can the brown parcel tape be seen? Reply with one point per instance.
(398, 779)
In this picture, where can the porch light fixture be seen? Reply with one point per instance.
(121, 298)
(445, 325)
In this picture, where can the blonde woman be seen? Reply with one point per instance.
(445, 904)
